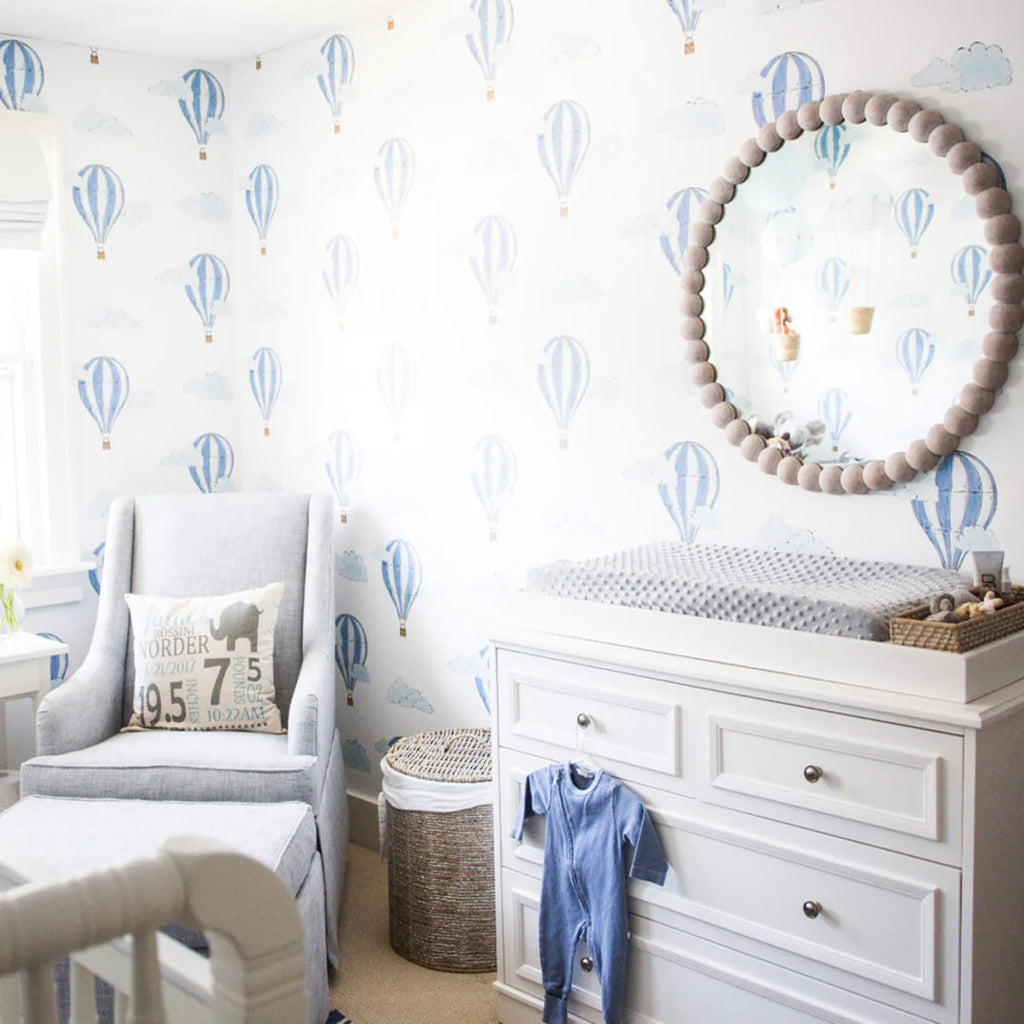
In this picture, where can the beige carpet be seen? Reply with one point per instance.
(374, 985)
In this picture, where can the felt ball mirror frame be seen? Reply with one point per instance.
(980, 179)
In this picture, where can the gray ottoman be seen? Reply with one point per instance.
(73, 837)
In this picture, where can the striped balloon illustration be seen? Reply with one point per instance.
(562, 145)
(564, 376)
(103, 389)
(494, 258)
(96, 572)
(339, 66)
(834, 412)
(342, 466)
(203, 103)
(484, 674)
(21, 74)
(834, 283)
(265, 381)
(966, 497)
(214, 462)
(341, 273)
(688, 12)
(396, 382)
(491, 31)
(971, 273)
(728, 284)
(682, 205)
(98, 195)
(914, 354)
(393, 175)
(261, 200)
(208, 289)
(494, 477)
(693, 488)
(913, 212)
(832, 147)
(350, 650)
(402, 571)
(58, 662)
(789, 80)
(785, 368)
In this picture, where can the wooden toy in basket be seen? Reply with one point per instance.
(910, 629)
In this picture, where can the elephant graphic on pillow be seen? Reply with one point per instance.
(238, 621)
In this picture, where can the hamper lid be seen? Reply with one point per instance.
(447, 755)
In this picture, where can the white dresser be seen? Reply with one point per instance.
(839, 852)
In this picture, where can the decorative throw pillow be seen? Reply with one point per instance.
(205, 662)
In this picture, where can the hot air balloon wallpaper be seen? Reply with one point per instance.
(393, 175)
(103, 389)
(785, 368)
(965, 497)
(564, 376)
(342, 466)
(562, 145)
(834, 283)
(265, 381)
(914, 354)
(402, 572)
(21, 73)
(341, 273)
(261, 200)
(339, 66)
(96, 572)
(484, 674)
(203, 102)
(913, 212)
(214, 462)
(832, 147)
(789, 80)
(493, 260)
(728, 284)
(494, 477)
(396, 381)
(350, 649)
(971, 273)
(688, 12)
(492, 29)
(693, 489)
(98, 195)
(681, 205)
(834, 412)
(208, 289)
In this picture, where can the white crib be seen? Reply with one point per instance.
(107, 923)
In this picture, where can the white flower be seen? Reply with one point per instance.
(15, 565)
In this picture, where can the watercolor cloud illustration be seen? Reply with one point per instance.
(970, 68)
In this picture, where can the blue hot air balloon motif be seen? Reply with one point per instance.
(834, 283)
(832, 147)
(350, 649)
(728, 284)
(58, 662)
(396, 381)
(494, 477)
(693, 489)
(914, 353)
(971, 273)
(966, 497)
(564, 376)
(265, 381)
(402, 571)
(96, 572)
(913, 212)
(785, 368)
(214, 462)
(484, 675)
(688, 12)
(393, 175)
(103, 389)
(834, 412)
(682, 205)
(21, 74)
(98, 195)
(341, 273)
(790, 80)
(340, 65)
(342, 466)
(208, 288)
(562, 146)
(203, 102)
(491, 32)
(261, 200)
(494, 258)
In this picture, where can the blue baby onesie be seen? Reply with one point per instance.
(590, 820)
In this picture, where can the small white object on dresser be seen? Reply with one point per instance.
(840, 851)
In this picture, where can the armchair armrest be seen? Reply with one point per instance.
(82, 711)
(311, 712)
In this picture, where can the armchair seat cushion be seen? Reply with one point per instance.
(242, 767)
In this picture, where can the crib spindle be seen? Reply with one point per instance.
(40, 995)
(83, 996)
(147, 996)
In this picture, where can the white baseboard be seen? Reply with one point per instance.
(362, 821)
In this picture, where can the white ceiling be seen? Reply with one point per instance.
(209, 30)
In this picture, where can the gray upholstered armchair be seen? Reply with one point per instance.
(199, 545)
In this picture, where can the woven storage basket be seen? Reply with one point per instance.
(909, 629)
(441, 864)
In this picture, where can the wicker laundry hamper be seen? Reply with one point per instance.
(441, 863)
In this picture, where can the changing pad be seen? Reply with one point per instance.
(813, 593)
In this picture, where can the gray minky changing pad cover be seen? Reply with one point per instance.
(786, 590)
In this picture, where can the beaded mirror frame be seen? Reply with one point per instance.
(1002, 229)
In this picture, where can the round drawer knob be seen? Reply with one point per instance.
(587, 964)
(583, 720)
(812, 773)
(812, 908)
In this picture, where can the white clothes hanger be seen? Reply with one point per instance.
(583, 759)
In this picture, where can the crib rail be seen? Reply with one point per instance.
(255, 973)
